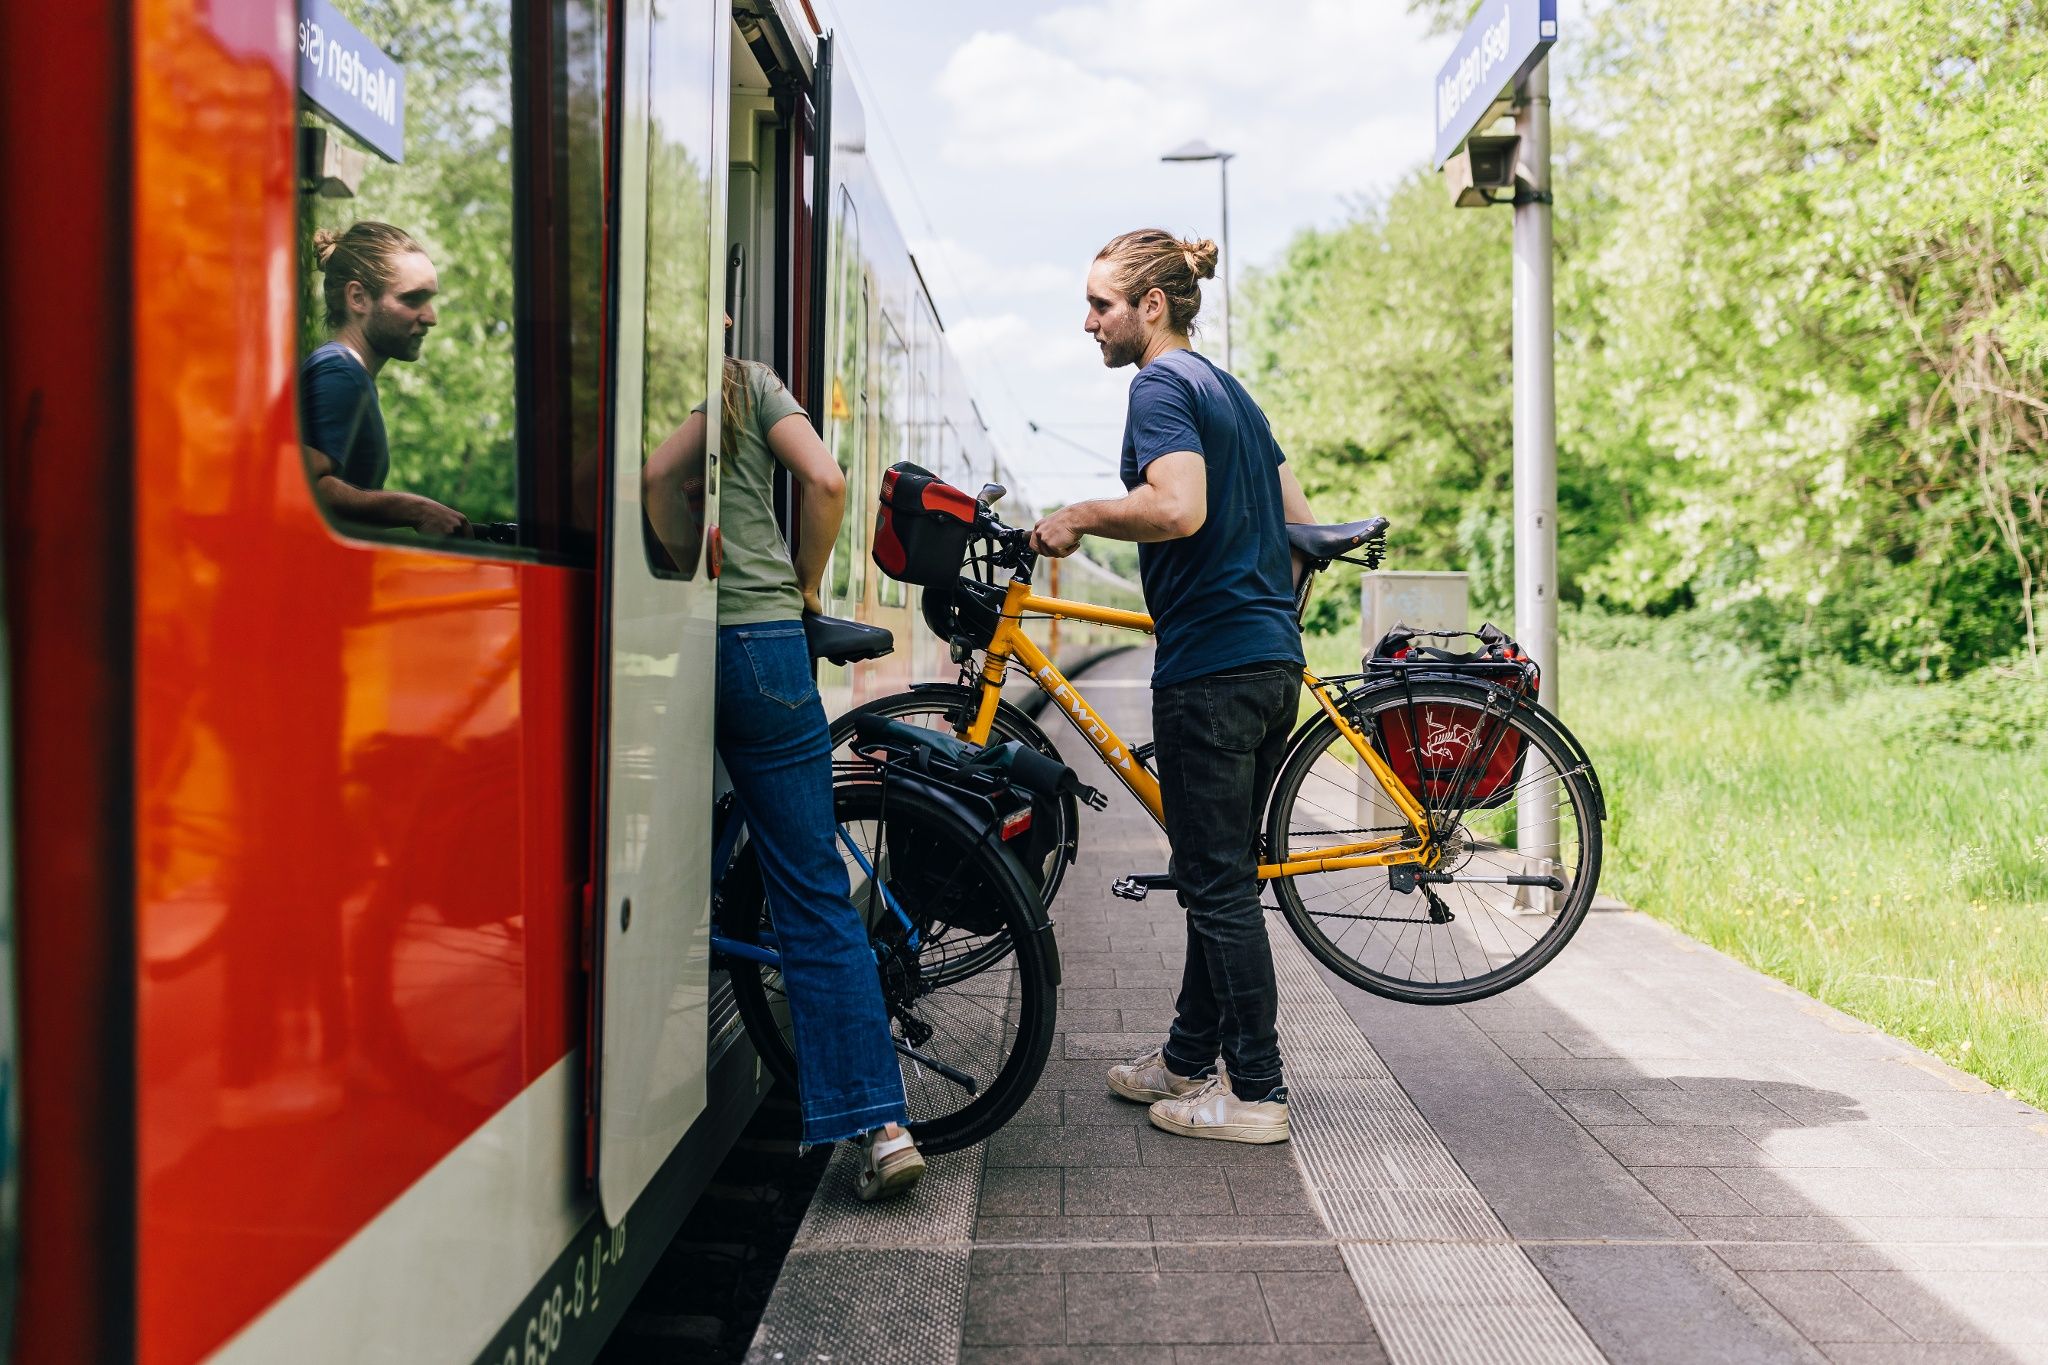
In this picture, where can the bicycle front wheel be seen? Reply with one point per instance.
(1510, 866)
(969, 993)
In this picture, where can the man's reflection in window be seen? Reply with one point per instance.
(379, 289)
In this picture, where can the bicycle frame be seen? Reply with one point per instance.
(765, 953)
(1010, 643)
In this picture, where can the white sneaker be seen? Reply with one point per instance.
(1150, 1078)
(1214, 1111)
(888, 1165)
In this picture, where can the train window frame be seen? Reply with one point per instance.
(846, 573)
(555, 135)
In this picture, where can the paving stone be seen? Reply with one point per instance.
(1097, 1106)
(1328, 1353)
(1263, 1190)
(1166, 1307)
(1741, 1256)
(1958, 1305)
(1053, 1258)
(1086, 974)
(1045, 1108)
(1654, 1146)
(1066, 1146)
(1067, 1355)
(1859, 1147)
(1310, 1307)
(1601, 1108)
(1256, 1256)
(1237, 1228)
(1582, 1074)
(1953, 1229)
(1148, 975)
(1757, 1227)
(1823, 1308)
(1062, 1229)
(1111, 1047)
(1023, 1191)
(1148, 1190)
(1014, 1310)
(1087, 1021)
(1692, 1190)
(1154, 1022)
(1119, 998)
(1824, 1190)
(1693, 1108)
(1171, 1149)
(1632, 1046)
(1529, 1046)
(1933, 1353)
(1984, 1147)
(1671, 1305)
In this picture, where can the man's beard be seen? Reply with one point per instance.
(393, 340)
(1118, 352)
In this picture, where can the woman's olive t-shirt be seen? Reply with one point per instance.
(757, 582)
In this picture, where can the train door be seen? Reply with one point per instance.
(658, 600)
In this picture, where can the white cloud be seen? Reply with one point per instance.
(1016, 103)
(951, 265)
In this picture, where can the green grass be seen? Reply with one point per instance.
(1821, 840)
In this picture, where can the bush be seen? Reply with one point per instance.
(2001, 708)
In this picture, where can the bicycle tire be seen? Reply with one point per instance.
(989, 884)
(955, 708)
(1347, 938)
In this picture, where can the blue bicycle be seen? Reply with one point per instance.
(929, 830)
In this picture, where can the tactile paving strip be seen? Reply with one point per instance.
(1440, 1275)
(854, 1267)
(848, 1305)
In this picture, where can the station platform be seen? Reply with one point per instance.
(1647, 1153)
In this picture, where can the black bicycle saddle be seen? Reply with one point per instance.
(1329, 542)
(843, 641)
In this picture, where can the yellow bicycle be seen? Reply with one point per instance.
(1433, 834)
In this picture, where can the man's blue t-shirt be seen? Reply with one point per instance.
(339, 416)
(1224, 596)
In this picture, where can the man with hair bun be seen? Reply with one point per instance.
(1208, 499)
(379, 287)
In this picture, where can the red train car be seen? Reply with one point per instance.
(361, 1000)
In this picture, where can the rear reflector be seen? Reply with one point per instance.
(1014, 825)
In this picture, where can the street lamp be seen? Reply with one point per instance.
(1199, 150)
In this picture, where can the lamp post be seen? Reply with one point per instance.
(1199, 150)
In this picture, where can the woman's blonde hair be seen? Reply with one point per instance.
(735, 403)
(363, 254)
(1153, 258)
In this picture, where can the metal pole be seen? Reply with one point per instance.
(1229, 313)
(1535, 418)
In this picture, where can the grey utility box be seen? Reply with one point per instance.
(1431, 601)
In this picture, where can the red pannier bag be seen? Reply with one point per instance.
(921, 527)
(1453, 756)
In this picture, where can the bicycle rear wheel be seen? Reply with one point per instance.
(1498, 827)
(950, 709)
(976, 1018)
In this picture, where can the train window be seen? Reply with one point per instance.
(846, 410)
(678, 409)
(894, 425)
(428, 131)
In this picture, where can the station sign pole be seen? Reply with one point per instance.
(1501, 64)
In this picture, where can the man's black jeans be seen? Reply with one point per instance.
(1220, 741)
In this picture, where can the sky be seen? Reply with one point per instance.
(1015, 139)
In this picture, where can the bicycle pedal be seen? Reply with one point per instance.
(1129, 888)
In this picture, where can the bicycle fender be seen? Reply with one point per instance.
(978, 812)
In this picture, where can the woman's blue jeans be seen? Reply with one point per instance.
(778, 753)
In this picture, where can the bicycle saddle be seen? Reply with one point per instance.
(1332, 542)
(843, 641)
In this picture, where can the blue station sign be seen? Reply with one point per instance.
(351, 80)
(1504, 40)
